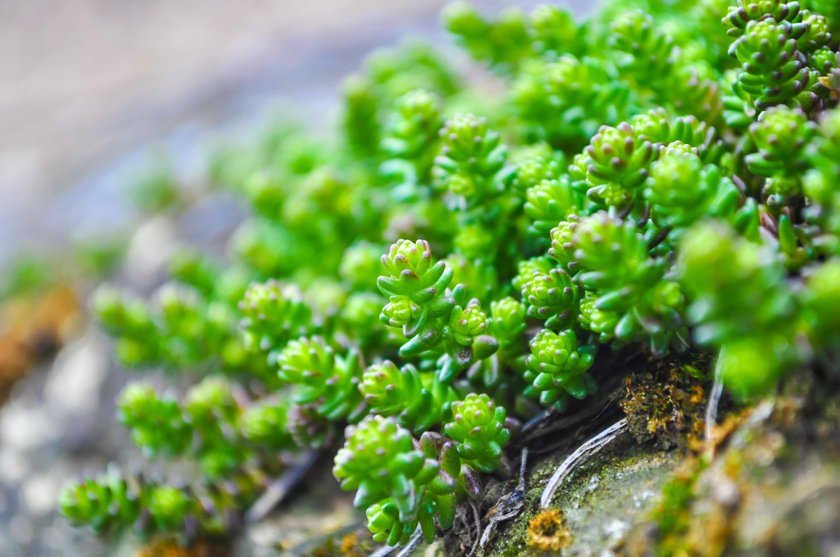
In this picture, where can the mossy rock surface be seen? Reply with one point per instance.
(772, 488)
(601, 500)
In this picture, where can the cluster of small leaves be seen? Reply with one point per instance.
(116, 500)
(661, 177)
(783, 51)
(403, 482)
(435, 320)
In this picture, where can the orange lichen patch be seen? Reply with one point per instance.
(163, 548)
(169, 547)
(31, 327)
(547, 531)
(15, 358)
(712, 538)
(353, 545)
(720, 432)
(665, 406)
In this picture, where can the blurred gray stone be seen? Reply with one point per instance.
(25, 426)
(74, 384)
(39, 494)
(149, 250)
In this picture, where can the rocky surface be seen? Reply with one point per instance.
(57, 424)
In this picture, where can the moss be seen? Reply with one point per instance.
(547, 531)
(671, 515)
(770, 488)
(665, 406)
(601, 499)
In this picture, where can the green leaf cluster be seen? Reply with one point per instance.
(661, 177)
(404, 483)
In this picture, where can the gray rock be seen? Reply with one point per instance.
(150, 249)
(74, 384)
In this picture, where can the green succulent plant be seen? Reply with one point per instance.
(780, 135)
(418, 399)
(682, 190)
(774, 69)
(614, 263)
(557, 367)
(409, 141)
(549, 202)
(617, 165)
(565, 101)
(470, 158)
(271, 312)
(552, 297)
(433, 318)
(109, 503)
(157, 423)
(266, 424)
(478, 429)
(394, 480)
(659, 178)
(317, 375)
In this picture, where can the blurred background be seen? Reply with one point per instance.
(91, 91)
(87, 85)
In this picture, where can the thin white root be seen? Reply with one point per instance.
(279, 489)
(585, 451)
(712, 408)
(384, 551)
(523, 465)
(412, 544)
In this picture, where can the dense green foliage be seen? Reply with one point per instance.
(663, 176)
